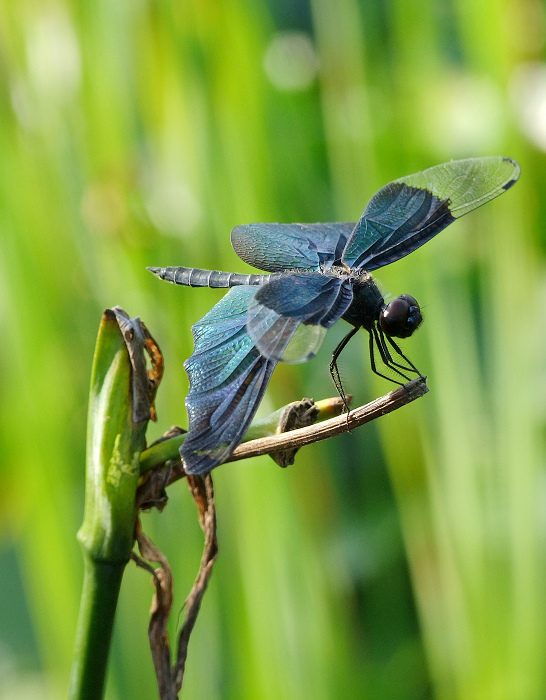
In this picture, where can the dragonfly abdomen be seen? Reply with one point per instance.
(196, 277)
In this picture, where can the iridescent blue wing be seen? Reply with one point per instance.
(228, 377)
(288, 316)
(278, 247)
(236, 347)
(408, 212)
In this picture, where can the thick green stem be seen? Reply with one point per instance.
(114, 444)
(101, 584)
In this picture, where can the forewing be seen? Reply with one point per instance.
(228, 377)
(288, 316)
(278, 247)
(410, 211)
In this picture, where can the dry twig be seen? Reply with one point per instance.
(152, 493)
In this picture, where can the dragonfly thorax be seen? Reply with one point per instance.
(398, 319)
(367, 304)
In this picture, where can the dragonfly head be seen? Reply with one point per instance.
(401, 317)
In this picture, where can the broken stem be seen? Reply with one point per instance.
(295, 439)
(333, 426)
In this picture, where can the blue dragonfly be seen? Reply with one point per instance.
(317, 274)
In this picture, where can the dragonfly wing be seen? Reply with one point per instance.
(410, 211)
(228, 377)
(278, 247)
(288, 316)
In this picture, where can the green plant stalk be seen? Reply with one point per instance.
(114, 444)
(101, 585)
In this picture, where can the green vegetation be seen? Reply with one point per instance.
(405, 560)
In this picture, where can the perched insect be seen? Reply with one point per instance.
(319, 273)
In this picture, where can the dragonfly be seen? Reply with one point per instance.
(315, 275)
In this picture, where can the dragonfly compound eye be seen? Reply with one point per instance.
(401, 317)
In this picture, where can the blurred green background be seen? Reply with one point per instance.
(405, 560)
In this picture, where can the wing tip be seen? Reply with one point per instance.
(515, 176)
(200, 461)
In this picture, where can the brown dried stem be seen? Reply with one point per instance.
(169, 680)
(202, 491)
(295, 439)
(152, 493)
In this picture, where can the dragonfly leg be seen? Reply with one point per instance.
(383, 337)
(387, 357)
(399, 351)
(334, 371)
(375, 340)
